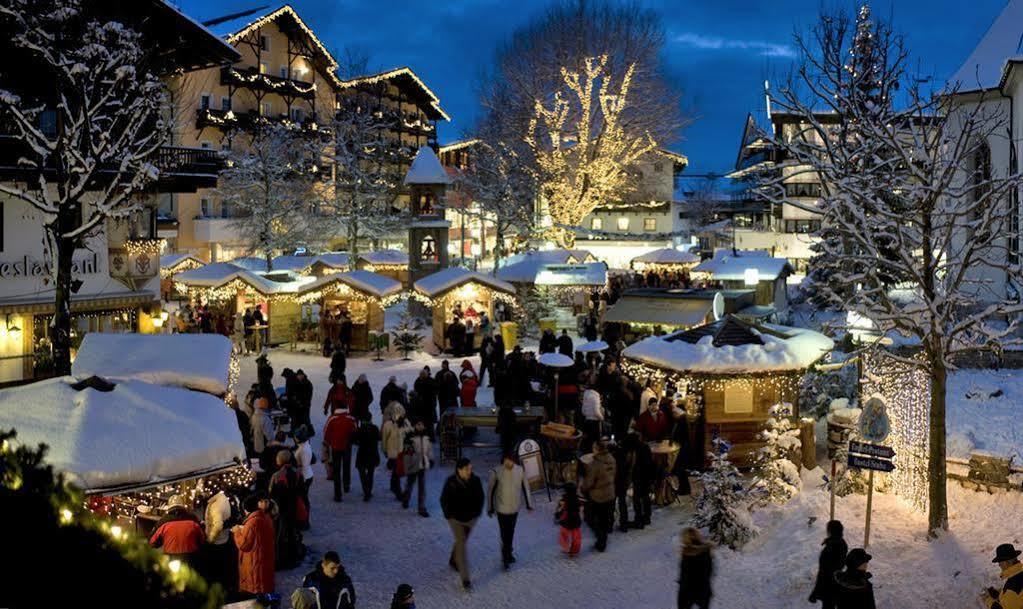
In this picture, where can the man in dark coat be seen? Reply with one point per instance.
(338, 363)
(644, 471)
(487, 358)
(447, 387)
(853, 589)
(367, 459)
(426, 388)
(392, 393)
(456, 335)
(548, 342)
(565, 346)
(462, 503)
(299, 391)
(1011, 594)
(829, 563)
(333, 586)
(362, 398)
(694, 571)
(590, 328)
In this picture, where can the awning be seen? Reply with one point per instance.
(43, 305)
(673, 313)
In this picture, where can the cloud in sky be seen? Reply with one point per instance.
(714, 43)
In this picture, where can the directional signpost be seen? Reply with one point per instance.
(873, 458)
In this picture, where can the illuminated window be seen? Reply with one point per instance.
(623, 223)
(649, 224)
(428, 250)
(597, 224)
(263, 67)
(739, 398)
(426, 204)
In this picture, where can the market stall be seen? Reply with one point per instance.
(170, 265)
(645, 311)
(666, 260)
(753, 270)
(358, 297)
(570, 286)
(728, 373)
(457, 291)
(389, 263)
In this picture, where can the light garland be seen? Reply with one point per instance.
(151, 247)
(218, 293)
(467, 291)
(186, 264)
(386, 267)
(787, 383)
(287, 10)
(662, 267)
(240, 77)
(386, 76)
(195, 492)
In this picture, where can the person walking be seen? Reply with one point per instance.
(425, 388)
(392, 392)
(599, 486)
(569, 518)
(593, 417)
(695, 570)
(338, 364)
(339, 395)
(1011, 594)
(415, 462)
(644, 472)
(487, 356)
(447, 387)
(393, 435)
(404, 597)
(362, 397)
(853, 589)
(330, 583)
(255, 542)
(338, 434)
(462, 503)
(367, 438)
(829, 563)
(506, 488)
(565, 346)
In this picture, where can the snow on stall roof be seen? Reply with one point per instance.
(538, 270)
(250, 263)
(798, 350)
(733, 268)
(426, 169)
(668, 255)
(293, 263)
(447, 279)
(335, 260)
(220, 273)
(208, 275)
(385, 257)
(558, 256)
(193, 361)
(364, 281)
(136, 434)
(983, 68)
(169, 261)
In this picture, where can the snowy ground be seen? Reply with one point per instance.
(383, 545)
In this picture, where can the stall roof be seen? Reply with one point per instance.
(169, 261)
(137, 434)
(560, 256)
(250, 263)
(391, 257)
(335, 260)
(221, 273)
(731, 346)
(297, 264)
(193, 361)
(450, 278)
(668, 255)
(364, 281)
(733, 268)
(538, 270)
(671, 313)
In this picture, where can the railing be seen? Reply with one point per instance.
(229, 119)
(253, 79)
(178, 159)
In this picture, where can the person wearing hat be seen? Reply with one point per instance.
(830, 562)
(853, 589)
(404, 598)
(1011, 595)
(178, 533)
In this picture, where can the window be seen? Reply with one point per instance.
(426, 207)
(266, 109)
(623, 223)
(284, 71)
(739, 398)
(48, 123)
(981, 179)
(650, 224)
(205, 207)
(597, 224)
(264, 68)
(428, 250)
(802, 226)
(264, 43)
(206, 145)
(803, 189)
(225, 103)
(204, 101)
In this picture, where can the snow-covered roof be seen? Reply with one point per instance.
(293, 263)
(335, 260)
(193, 361)
(169, 261)
(983, 68)
(668, 255)
(733, 268)
(364, 281)
(385, 257)
(784, 348)
(426, 169)
(221, 273)
(443, 281)
(537, 270)
(559, 256)
(137, 434)
(208, 275)
(250, 263)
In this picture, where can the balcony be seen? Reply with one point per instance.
(216, 230)
(227, 120)
(251, 78)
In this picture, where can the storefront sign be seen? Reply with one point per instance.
(30, 267)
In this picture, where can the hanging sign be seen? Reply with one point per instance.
(874, 422)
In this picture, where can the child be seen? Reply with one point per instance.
(571, 522)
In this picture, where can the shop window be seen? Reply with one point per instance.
(739, 398)
(428, 250)
(597, 224)
(649, 224)
(623, 223)
(264, 43)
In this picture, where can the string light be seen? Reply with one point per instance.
(386, 76)
(195, 492)
(151, 247)
(185, 264)
(238, 77)
(287, 10)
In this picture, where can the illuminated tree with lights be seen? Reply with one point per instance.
(919, 236)
(87, 127)
(583, 150)
(270, 179)
(407, 338)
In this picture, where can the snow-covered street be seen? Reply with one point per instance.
(383, 545)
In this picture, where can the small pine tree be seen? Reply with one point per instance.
(406, 334)
(777, 476)
(723, 506)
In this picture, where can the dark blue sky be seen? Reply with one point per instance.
(720, 51)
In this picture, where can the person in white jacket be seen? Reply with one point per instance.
(221, 563)
(304, 460)
(392, 435)
(593, 415)
(506, 489)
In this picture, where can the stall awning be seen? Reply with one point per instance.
(673, 313)
(43, 304)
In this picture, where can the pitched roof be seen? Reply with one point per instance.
(450, 278)
(426, 169)
(984, 67)
(733, 268)
(366, 282)
(668, 255)
(403, 76)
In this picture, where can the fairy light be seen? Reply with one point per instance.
(66, 515)
(174, 566)
(195, 492)
(186, 264)
(662, 267)
(387, 76)
(149, 247)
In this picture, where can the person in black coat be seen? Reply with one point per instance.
(694, 572)
(853, 589)
(644, 471)
(590, 328)
(565, 346)
(507, 428)
(300, 389)
(367, 438)
(462, 503)
(363, 397)
(334, 589)
(548, 342)
(338, 363)
(829, 563)
(487, 355)
(392, 393)
(447, 387)
(426, 389)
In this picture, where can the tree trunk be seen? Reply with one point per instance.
(60, 327)
(353, 243)
(499, 234)
(937, 511)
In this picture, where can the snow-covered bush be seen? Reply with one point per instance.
(777, 476)
(817, 389)
(407, 338)
(723, 505)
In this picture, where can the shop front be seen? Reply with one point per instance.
(459, 294)
(350, 304)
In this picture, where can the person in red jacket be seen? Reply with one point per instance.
(653, 424)
(255, 542)
(178, 533)
(470, 384)
(338, 436)
(338, 395)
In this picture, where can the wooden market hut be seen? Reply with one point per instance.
(668, 259)
(641, 311)
(731, 372)
(389, 263)
(171, 264)
(361, 293)
(571, 285)
(458, 285)
(749, 270)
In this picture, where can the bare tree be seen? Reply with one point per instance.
(914, 226)
(90, 124)
(269, 184)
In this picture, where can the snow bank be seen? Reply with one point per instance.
(979, 420)
(799, 350)
(136, 434)
(193, 361)
(450, 278)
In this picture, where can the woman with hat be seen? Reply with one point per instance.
(1011, 596)
(853, 589)
(404, 598)
(178, 532)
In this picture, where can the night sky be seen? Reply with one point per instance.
(721, 51)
